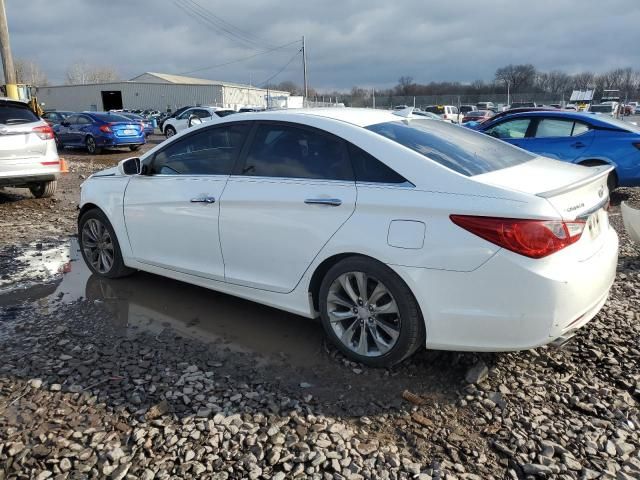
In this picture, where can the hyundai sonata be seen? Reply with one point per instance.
(398, 231)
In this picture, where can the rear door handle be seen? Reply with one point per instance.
(203, 200)
(578, 145)
(332, 202)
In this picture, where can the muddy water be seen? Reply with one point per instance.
(150, 303)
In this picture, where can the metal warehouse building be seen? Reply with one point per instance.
(158, 91)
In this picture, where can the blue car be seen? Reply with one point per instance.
(97, 130)
(583, 138)
(148, 126)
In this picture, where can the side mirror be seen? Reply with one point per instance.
(129, 166)
(194, 120)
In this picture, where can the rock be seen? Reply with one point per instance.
(55, 387)
(35, 383)
(477, 374)
(115, 455)
(65, 465)
(535, 469)
(120, 472)
(157, 410)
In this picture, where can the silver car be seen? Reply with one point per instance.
(28, 154)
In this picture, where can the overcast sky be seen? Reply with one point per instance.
(349, 42)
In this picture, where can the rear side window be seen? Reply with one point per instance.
(370, 169)
(211, 151)
(511, 129)
(457, 148)
(554, 127)
(292, 152)
(15, 115)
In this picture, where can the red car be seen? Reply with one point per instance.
(477, 116)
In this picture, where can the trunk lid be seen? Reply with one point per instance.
(577, 193)
(126, 129)
(20, 142)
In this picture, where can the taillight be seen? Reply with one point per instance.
(105, 128)
(531, 238)
(45, 132)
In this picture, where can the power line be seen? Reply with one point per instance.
(209, 19)
(281, 70)
(240, 59)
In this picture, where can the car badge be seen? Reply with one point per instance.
(601, 191)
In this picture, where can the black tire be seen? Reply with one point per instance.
(411, 326)
(169, 131)
(134, 148)
(43, 189)
(59, 145)
(117, 269)
(92, 148)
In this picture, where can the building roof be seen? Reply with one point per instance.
(168, 78)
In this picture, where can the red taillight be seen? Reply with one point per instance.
(106, 128)
(45, 132)
(531, 238)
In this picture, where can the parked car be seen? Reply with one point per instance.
(28, 155)
(171, 115)
(54, 117)
(147, 126)
(522, 105)
(183, 121)
(477, 116)
(429, 115)
(575, 137)
(486, 106)
(604, 108)
(97, 130)
(471, 244)
(515, 110)
(467, 108)
(449, 113)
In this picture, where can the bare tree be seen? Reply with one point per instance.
(405, 85)
(584, 80)
(518, 77)
(553, 82)
(81, 73)
(29, 72)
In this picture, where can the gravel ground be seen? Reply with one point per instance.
(87, 391)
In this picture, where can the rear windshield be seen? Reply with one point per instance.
(627, 126)
(601, 108)
(15, 115)
(435, 109)
(110, 117)
(458, 148)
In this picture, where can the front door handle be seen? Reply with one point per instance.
(203, 200)
(578, 145)
(332, 202)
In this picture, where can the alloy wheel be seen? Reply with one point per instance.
(170, 132)
(363, 314)
(97, 245)
(91, 145)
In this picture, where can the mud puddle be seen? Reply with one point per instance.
(152, 304)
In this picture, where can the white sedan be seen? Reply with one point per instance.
(193, 116)
(399, 232)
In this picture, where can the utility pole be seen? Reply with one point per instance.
(373, 94)
(7, 59)
(304, 71)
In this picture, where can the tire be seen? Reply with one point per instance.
(59, 145)
(92, 148)
(392, 324)
(43, 189)
(169, 131)
(99, 245)
(134, 148)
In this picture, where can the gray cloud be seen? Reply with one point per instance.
(350, 42)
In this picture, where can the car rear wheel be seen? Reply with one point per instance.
(369, 313)
(99, 246)
(43, 189)
(169, 131)
(92, 148)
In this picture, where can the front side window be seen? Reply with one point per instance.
(293, 152)
(82, 120)
(72, 119)
(201, 113)
(457, 148)
(511, 129)
(211, 151)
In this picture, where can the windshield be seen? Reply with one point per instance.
(458, 148)
(14, 114)
(601, 108)
(110, 117)
(435, 109)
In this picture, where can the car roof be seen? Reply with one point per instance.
(362, 117)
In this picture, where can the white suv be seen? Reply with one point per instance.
(28, 154)
(193, 116)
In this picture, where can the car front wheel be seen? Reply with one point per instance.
(369, 313)
(169, 131)
(99, 245)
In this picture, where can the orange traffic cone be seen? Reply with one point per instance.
(64, 168)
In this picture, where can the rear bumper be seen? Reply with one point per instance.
(27, 179)
(120, 141)
(511, 303)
